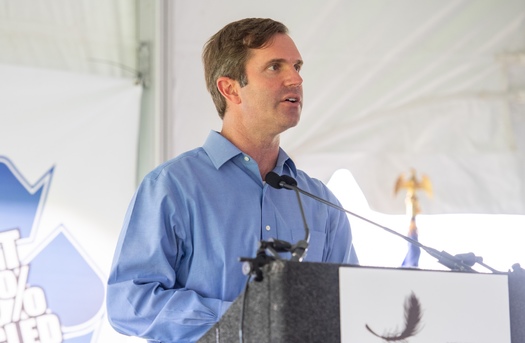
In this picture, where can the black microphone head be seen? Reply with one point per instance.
(469, 258)
(274, 180)
(289, 180)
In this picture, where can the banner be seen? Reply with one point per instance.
(68, 146)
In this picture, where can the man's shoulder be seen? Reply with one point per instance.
(308, 181)
(312, 184)
(187, 162)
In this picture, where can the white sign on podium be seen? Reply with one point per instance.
(420, 306)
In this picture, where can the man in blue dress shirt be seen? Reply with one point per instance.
(176, 267)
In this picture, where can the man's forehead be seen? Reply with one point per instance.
(280, 48)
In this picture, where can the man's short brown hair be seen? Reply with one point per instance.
(226, 52)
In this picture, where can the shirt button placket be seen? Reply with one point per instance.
(268, 226)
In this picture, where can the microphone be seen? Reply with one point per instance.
(446, 259)
(300, 248)
(471, 259)
(274, 180)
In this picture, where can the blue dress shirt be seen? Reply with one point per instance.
(176, 267)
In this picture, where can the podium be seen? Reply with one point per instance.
(300, 302)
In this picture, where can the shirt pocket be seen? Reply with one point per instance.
(316, 245)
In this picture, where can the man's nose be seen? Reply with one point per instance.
(294, 79)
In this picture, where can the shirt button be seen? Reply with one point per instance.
(246, 158)
(268, 228)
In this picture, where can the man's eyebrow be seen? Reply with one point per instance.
(282, 60)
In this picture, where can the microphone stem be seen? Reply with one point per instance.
(306, 228)
(490, 268)
(444, 258)
(353, 214)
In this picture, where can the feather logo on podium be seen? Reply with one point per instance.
(49, 291)
(413, 316)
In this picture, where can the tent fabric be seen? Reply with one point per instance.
(93, 37)
(389, 86)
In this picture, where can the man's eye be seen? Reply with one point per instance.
(273, 67)
(298, 67)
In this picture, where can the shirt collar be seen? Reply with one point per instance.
(220, 150)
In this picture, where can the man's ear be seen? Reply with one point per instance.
(229, 89)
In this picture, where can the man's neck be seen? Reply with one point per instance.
(264, 150)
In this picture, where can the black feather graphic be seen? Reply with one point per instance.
(413, 316)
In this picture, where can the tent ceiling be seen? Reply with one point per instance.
(389, 85)
(96, 37)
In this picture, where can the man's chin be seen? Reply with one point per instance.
(292, 124)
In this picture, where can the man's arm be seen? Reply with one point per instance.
(149, 311)
(146, 295)
(340, 237)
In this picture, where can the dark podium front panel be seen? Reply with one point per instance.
(299, 302)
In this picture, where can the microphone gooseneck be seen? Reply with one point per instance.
(269, 250)
(276, 181)
(458, 262)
